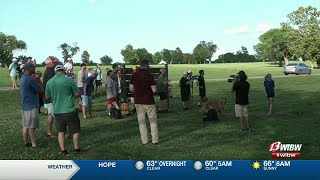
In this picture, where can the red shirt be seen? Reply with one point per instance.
(142, 80)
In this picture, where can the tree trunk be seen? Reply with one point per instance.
(286, 60)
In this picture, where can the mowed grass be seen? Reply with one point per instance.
(175, 71)
(183, 135)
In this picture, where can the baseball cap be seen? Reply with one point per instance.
(241, 72)
(69, 59)
(14, 60)
(38, 72)
(201, 71)
(185, 73)
(58, 68)
(83, 64)
(50, 59)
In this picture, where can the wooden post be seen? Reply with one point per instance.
(167, 87)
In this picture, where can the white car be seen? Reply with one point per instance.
(296, 68)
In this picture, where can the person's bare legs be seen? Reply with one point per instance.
(84, 111)
(242, 123)
(109, 108)
(246, 123)
(61, 140)
(25, 135)
(76, 140)
(50, 124)
(100, 89)
(270, 105)
(89, 111)
(32, 135)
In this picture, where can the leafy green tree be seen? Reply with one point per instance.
(167, 56)
(130, 55)
(177, 56)
(303, 27)
(157, 57)
(273, 45)
(85, 57)
(144, 54)
(188, 58)
(68, 51)
(200, 53)
(106, 60)
(8, 45)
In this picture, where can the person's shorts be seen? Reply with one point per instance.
(13, 78)
(163, 95)
(269, 95)
(241, 110)
(30, 119)
(98, 83)
(70, 121)
(202, 92)
(86, 101)
(112, 100)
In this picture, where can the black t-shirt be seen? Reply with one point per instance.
(201, 82)
(47, 75)
(184, 87)
(242, 92)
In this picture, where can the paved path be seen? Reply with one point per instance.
(212, 80)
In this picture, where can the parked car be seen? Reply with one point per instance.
(296, 68)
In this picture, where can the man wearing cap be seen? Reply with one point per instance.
(69, 64)
(202, 87)
(47, 75)
(82, 76)
(86, 94)
(61, 91)
(30, 104)
(184, 85)
(143, 85)
(13, 73)
(242, 88)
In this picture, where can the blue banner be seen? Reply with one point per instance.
(204, 169)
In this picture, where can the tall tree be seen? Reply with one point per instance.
(177, 56)
(201, 53)
(144, 54)
(130, 55)
(157, 57)
(106, 60)
(85, 57)
(68, 51)
(188, 58)
(303, 35)
(273, 45)
(167, 56)
(8, 45)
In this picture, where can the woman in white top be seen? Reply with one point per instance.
(98, 80)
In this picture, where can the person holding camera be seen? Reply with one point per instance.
(202, 87)
(242, 87)
(185, 85)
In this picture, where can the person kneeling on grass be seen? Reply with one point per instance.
(86, 94)
(242, 88)
(269, 90)
(30, 104)
(61, 91)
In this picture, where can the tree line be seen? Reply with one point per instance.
(297, 39)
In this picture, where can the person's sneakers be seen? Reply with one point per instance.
(248, 130)
(64, 152)
(50, 136)
(28, 145)
(243, 130)
(77, 151)
(155, 143)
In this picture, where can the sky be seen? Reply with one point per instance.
(104, 27)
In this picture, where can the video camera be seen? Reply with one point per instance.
(234, 78)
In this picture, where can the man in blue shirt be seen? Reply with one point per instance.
(29, 89)
(86, 94)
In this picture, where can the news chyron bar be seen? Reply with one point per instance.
(284, 163)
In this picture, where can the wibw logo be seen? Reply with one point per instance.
(285, 150)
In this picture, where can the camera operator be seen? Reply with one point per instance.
(242, 88)
(184, 85)
(202, 87)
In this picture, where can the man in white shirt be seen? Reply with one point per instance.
(98, 80)
(69, 64)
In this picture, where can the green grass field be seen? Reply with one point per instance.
(175, 71)
(183, 135)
